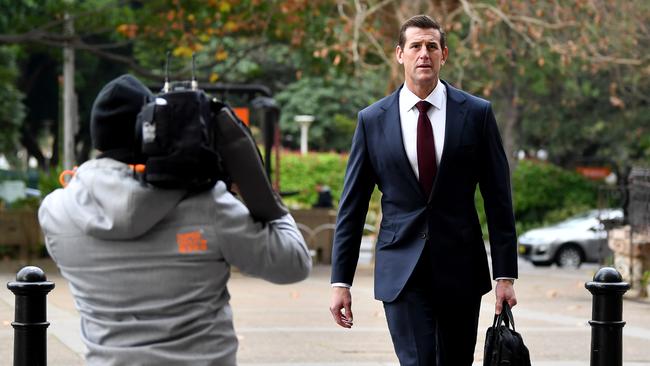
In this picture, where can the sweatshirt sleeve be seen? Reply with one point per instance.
(274, 251)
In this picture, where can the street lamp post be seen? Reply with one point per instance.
(304, 121)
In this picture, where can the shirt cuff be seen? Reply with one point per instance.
(341, 284)
(505, 278)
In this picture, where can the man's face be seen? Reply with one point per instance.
(422, 57)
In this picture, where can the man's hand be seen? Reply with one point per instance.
(504, 291)
(342, 300)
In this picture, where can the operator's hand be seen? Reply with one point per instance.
(342, 300)
(504, 291)
(234, 189)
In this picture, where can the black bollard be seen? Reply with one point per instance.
(607, 322)
(30, 322)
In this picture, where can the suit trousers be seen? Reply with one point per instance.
(427, 327)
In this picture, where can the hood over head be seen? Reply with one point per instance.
(113, 118)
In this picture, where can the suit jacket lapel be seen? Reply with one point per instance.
(394, 141)
(455, 119)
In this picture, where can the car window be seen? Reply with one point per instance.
(585, 222)
(590, 218)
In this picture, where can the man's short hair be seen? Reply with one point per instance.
(423, 22)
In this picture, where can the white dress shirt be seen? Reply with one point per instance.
(408, 115)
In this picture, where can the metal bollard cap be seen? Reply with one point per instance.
(31, 274)
(30, 281)
(608, 275)
(607, 281)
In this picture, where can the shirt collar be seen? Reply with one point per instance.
(436, 98)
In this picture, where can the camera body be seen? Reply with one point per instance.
(176, 134)
(190, 141)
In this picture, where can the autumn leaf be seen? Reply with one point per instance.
(230, 26)
(224, 7)
(182, 51)
(616, 102)
(221, 55)
(122, 29)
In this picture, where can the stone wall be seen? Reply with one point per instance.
(631, 256)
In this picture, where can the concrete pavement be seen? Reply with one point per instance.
(290, 325)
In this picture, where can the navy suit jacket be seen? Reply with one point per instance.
(447, 219)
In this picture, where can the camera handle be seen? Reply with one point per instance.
(243, 163)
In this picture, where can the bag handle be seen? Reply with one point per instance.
(505, 317)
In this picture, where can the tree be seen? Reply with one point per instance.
(137, 34)
(560, 74)
(334, 104)
(526, 56)
(12, 110)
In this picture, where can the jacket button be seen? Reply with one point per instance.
(423, 235)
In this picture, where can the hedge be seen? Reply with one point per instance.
(542, 192)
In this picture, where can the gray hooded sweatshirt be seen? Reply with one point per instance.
(148, 267)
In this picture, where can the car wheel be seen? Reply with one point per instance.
(569, 257)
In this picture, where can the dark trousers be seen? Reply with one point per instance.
(429, 328)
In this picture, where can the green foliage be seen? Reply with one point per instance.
(49, 181)
(30, 203)
(12, 110)
(300, 174)
(645, 279)
(545, 193)
(334, 101)
(343, 128)
(574, 87)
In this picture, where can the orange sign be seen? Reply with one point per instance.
(191, 242)
(594, 172)
(243, 114)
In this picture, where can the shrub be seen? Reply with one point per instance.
(299, 175)
(546, 193)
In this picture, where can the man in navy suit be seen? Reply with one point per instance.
(427, 146)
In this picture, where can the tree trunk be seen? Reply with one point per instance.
(33, 149)
(509, 125)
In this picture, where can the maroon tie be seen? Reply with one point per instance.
(426, 149)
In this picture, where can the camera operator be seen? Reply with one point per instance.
(148, 267)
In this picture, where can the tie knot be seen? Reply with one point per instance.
(423, 106)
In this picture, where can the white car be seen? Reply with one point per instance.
(579, 239)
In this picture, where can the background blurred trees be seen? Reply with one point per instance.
(571, 77)
(12, 110)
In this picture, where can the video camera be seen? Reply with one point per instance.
(191, 140)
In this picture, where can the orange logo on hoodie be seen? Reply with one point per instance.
(191, 242)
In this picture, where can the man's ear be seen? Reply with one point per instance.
(398, 54)
(445, 54)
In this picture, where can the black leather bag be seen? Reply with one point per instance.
(503, 345)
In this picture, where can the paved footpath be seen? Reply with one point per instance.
(290, 325)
